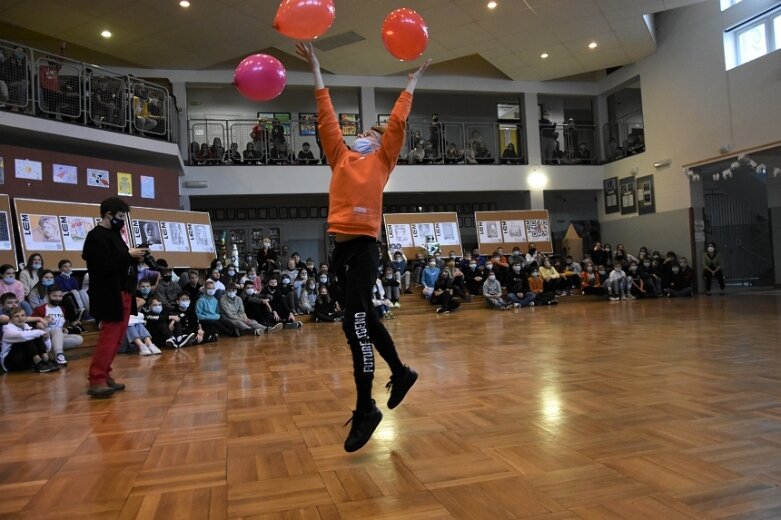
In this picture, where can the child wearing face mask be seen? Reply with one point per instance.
(712, 267)
(23, 347)
(326, 309)
(518, 292)
(429, 277)
(382, 305)
(256, 308)
(399, 266)
(162, 326)
(687, 273)
(391, 284)
(207, 311)
(308, 299)
(417, 266)
(674, 284)
(253, 277)
(618, 283)
(591, 282)
(10, 284)
(537, 286)
(267, 258)
(298, 288)
(230, 275)
(190, 330)
(311, 269)
(232, 310)
(552, 279)
(54, 316)
(144, 291)
(474, 277)
(443, 294)
(492, 292)
(72, 288)
(216, 278)
(637, 287)
(280, 308)
(138, 335)
(167, 289)
(30, 275)
(39, 293)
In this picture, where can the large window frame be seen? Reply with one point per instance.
(770, 22)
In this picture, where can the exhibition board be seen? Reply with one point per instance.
(408, 232)
(509, 229)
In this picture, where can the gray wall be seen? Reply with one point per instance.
(668, 231)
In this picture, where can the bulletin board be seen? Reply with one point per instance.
(407, 232)
(7, 247)
(183, 238)
(509, 229)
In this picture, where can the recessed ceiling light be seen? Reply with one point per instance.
(106, 33)
(184, 3)
(544, 55)
(592, 45)
(492, 5)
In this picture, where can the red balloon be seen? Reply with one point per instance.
(405, 34)
(260, 77)
(304, 19)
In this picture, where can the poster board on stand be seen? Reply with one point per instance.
(509, 229)
(183, 238)
(408, 231)
(7, 245)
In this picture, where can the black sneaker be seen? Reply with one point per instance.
(187, 340)
(399, 386)
(44, 367)
(364, 424)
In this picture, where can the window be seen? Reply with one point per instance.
(753, 39)
(726, 4)
(752, 43)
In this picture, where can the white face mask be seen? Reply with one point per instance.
(231, 294)
(492, 277)
(211, 292)
(250, 291)
(157, 309)
(711, 249)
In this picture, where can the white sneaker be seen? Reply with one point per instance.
(153, 348)
(531, 304)
(397, 305)
(171, 342)
(143, 350)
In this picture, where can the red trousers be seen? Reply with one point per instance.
(112, 333)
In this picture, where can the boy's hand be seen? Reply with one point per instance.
(421, 70)
(307, 52)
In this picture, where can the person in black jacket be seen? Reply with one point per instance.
(518, 291)
(113, 270)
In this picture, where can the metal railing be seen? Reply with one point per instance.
(568, 144)
(244, 141)
(622, 139)
(38, 83)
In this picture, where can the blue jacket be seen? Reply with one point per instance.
(206, 308)
(430, 275)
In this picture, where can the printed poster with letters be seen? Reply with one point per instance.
(407, 232)
(7, 253)
(40, 232)
(200, 236)
(74, 231)
(147, 232)
(174, 236)
(516, 228)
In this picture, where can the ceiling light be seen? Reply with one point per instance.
(544, 55)
(592, 45)
(492, 5)
(537, 180)
(106, 33)
(184, 3)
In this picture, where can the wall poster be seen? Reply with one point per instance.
(610, 190)
(628, 200)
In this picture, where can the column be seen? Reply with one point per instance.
(368, 108)
(532, 128)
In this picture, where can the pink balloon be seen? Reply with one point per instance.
(304, 19)
(260, 77)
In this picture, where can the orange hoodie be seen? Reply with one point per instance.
(357, 182)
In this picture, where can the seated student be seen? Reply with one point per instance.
(518, 292)
(163, 324)
(217, 151)
(391, 284)
(537, 286)
(499, 258)
(203, 155)
(30, 275)
(516, 258)
(24, 347)
(456, 279)
(326, 308)
(490, 269)
(280, 308)
(492, 291)
(418, 154)
(230, 275)
(193, 288)
(622, 256)
(474, 277)
(290, 270)
(416, 267)
(382, 305)
(308, 300)
(568, 274)
(39, 293)
(215, 277)
(54, 315)
(591, 282)
(137, 333)
(232, 310)
(249, 263)
(150, 275)
(311, 269)
(429, 277)
(234, 156)
(10, 285)
(533, 257)
(551, 279)
(256, 308)
(602, 272)
(637, 287)
(193, 332)
(71, 287)
(444, 295)
(144, 291)
(305, 155)
(298, 287)
(399, 266)
(652, 283)
(288, 292)
(670, 259)
(712, 267)
(253, 278)
(207, 311)
(510, 156)
(167, 289)
(453, 155)
(618, 283)
(249, 154)
(687, 273)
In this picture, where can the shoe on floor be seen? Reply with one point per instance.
(44, 367)
(117, 387)
(60, 358)
(171, 342)
(399, 386)
(363, 426)
(187, 340)
(143, 350)
(276, 328)
(154, 350)
(397, 305)
(100, 391)
(259, 331)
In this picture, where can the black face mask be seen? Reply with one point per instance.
(117, 224)
(55, 303)
(167, 278)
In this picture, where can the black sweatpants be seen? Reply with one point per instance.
(356, 263)
(20, 356)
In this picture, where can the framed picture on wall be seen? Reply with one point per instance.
(230, 214)
(282, 212)
(323, 212)
(382, 119)
(262, 213)
(610, 191)
(241, 214)
(266, 118)
(307, 122)
(272, 213)
(293, 212)
(348, 124)
(313, 212)
(302, 211)
(646, 199)
(252, 214)
(219, 214)
(628, 196)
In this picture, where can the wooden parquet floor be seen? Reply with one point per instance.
(631, 410)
